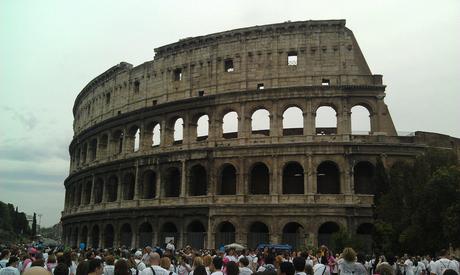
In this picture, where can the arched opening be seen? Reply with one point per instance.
(364, 235)
(109, 236)
(293, 234)
(202, 128)
(137, 140)
(87, 192)
(112, 189)
(84, 236)
(95, 237)
(84, 151)
(259, 179)
(198, 181)
(75, 238)
(92, 149)
(293, 178)
(328, 178)
(172, 182)
(98, 190)
(228, 180)
(117, 141)
(156, 135)
(360, 120)
(260, 122)
(168, 232)
(363, 174)
(145, 234)
(125, 235)
(178, 131)
(230, 125)
(103, 143)
(225, 234)
(292, 121)
(196, 233)
(78, 190)
(149, 184)
(133, 138)
(326, 121)
(258, 233)
(325, 232)
(128, 187)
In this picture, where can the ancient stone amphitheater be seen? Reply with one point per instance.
(152, 159)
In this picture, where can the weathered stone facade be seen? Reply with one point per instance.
(133, 183)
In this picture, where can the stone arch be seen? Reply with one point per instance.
(134, 138)
(196, 233)
(360, 120)
(293, 234)
(168, 230)
(230, 125)
(258, 233)
(112, 189)
(145, 234)
(117, 141)
(98, 190)
(153, 133)
(293, 121)
(87, 189)
(293, 178)
(326, 120)
(225, 234)
(92, 149)
(325, 232)
(363, 174)
(227, 180)
(259, 179)
(129, 183)
(260, 122)
(102, 145)
(328, 178)
(178, 135)
(78, 190)
(126, 234)
(172, 182)
(198, 181)
(95, 236)
(149, 183)
(202, 127)
(109, 236)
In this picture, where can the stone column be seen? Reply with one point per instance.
(158, 183)
(312, 184)
(309, 116)
(93, 187)
(183, 187)
(136, 182)
(119, 188)
(275, 182)
(164, 132)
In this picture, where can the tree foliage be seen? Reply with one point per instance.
(12, 222)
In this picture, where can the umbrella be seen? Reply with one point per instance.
(235, 246)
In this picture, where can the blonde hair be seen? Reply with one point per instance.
(349, 254)
(207, 260)
(197, 261)
(165, 263)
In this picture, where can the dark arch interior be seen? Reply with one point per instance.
(198, 181)
(173, 182)
(78, 195)
(95, 237)
(98, 189)
(109, 236)
(228, 180)
(363, 174)
(365, 229)
(169, 227)
(260, 179)
(196, 234)
(259, 227)
(87, 192)
(225, 234)
(149, 185)
(128, 187)
(293, 178)
(125, 235)
(226, 227)
(325, 232)
(84, 235)
(145, 234)
(292, 227)
(196, 226)
(258, 233)
(293, 234)
(328, 178)
(112, 189)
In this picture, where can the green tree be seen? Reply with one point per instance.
(34, 225)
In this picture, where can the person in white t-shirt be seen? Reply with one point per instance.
(408, 266)
(244, 269)
(154, 266)
(443, 264)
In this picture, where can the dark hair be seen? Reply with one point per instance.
(443, 252)
(82, 268)
(93, 264)
(61, 269)
(12, 260)
(309, 269)
(121, 268)
(450, 272)
(109, 260)
(299, 263)
(360, 258)
(200, 270)
(288, 268)
(39, 262)
(232, 268)
(244, 261)
(5, 252)
(217, 262)
(269, 259)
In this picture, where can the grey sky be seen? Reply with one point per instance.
(50, 50)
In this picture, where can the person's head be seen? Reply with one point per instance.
(244, 262)
(36, 270)
(138, 254)
(165, 263)
(287, 268)
(216, 263)
(154, 258)
(61, 269)
(444, 253)
(197, 261)
(82, 268)
(200, 270)
(5, 254)
(38, 262)
(13, 261)
(360, 258)
(450, 272)
(385, 269)
(299, 263)
(309, 270)
(110, 260)
(95, 266)
(207, 260)
(232, 268)
(269, 259)
(349, 254)
(121, 268)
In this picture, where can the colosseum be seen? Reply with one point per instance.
(171, 149)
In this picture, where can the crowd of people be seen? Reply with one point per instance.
(23, 260)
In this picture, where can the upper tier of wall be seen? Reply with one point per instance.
(326, 52)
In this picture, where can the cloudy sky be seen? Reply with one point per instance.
(50, 50)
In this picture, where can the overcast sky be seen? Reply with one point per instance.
(50, 50)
